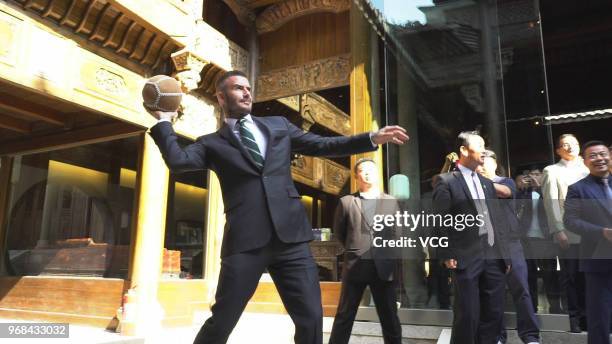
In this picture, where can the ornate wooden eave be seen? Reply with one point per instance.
(277, 15)
(315, 109)
(322, 174)
(116, 32)
(309, 77)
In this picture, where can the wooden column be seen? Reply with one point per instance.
(364, 106)
(6, 167)
(214, 235)
(147, 240)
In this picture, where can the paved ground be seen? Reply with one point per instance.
(252, 328)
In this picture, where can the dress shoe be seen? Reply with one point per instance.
(575, 326)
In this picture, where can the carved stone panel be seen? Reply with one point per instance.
(313, 76)
(213, 46)
(277, 15)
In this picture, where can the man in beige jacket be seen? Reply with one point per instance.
(555, 181)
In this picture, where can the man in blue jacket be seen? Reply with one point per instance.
(588, 212)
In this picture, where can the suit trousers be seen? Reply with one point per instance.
(363, 274)
(572, 283)
(527, 322)
(478, 307)
(295, 276)
(599, 306)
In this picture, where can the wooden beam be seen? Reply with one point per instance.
(33, 111)
(6, 168)
(68, 139)
(15, 124)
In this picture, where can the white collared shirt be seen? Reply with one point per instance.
(470, 180)
(372, 194)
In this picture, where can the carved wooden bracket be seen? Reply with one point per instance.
(279, 14)
(315, 109)
(320, 174)
(195, 73)
(313, 76)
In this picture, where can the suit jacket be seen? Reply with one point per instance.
(554, 191)
(587, 212)
(452, 196)
(356, 234)
(257, 202)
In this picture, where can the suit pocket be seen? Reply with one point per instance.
(292, 192)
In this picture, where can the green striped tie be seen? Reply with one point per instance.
(248, 140)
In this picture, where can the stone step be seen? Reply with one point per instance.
(371, 333)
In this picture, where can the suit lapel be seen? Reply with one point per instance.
(226, 132)
(464, 186)
(359, 205)
(600, 196)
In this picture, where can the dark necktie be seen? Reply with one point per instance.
(248, 140)
(481, 207)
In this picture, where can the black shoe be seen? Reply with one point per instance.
(575, 326)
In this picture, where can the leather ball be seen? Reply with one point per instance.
(162, 93)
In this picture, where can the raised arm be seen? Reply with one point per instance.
(177, 158)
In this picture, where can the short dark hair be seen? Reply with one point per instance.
(561, 137)
(591, 144)
(463, 139)
(361, 161)
(221, 80)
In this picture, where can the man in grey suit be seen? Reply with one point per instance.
(365, 265)
(266, 224)
(555, 181)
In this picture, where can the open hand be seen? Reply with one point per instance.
(393, 133)
(450, 264)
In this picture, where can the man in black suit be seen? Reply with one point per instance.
(266, 224)
(364, 264)
(474, 253)
(588, 213)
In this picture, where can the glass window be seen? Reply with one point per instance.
(185, 248)
(70, 211)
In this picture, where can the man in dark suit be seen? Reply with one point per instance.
(474, 253)
(364, 264)
(266, 224)
(588, 213)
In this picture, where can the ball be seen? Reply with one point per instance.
(162, 93)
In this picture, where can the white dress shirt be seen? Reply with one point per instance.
(472, 181)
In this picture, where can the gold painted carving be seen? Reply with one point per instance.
(110, 83)
(293, 102)
(279, 14)
(319, 173)
(309, 77)
(315, 109)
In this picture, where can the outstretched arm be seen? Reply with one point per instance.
(311, 144)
